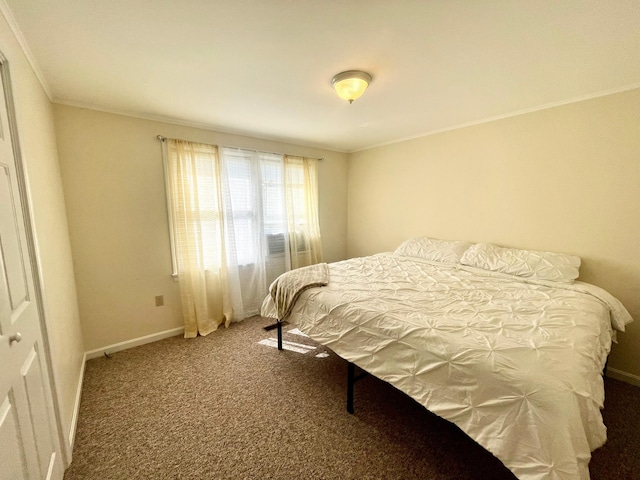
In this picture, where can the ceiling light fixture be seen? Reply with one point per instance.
(351, 84)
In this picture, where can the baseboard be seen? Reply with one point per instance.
(623, 376)
(135, 342)
(76, 408)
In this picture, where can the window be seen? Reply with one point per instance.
(238, 220)
(255, 199)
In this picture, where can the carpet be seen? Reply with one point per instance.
(231, 406)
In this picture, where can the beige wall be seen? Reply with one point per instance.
(114, 188)
(564, 179)
(38, 143)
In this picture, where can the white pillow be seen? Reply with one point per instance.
(556, 267)
(434, 250)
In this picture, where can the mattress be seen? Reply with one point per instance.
(515, 363)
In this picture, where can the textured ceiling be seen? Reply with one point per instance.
(263, 67)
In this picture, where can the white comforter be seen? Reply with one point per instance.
(515, 364)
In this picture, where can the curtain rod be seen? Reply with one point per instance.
(162, 139)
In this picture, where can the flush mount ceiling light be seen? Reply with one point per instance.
(351, 85)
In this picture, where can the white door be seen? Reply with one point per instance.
(29, 441)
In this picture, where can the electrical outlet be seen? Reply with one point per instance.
(159, 300)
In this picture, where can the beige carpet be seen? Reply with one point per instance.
(228, 407)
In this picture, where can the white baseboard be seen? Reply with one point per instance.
(623, 376)
(76, 407)
(135, 342)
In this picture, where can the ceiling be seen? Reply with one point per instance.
(264, 67)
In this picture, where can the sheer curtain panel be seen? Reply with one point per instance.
(301, 193)
(247, 201)
(195, 193)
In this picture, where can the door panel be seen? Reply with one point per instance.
(12, 456)
(34, 381)
(11, 252)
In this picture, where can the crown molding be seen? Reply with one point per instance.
(15, 28)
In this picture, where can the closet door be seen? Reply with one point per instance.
(29, 440)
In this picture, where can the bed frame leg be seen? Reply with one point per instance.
(351, 380)
(279, 335)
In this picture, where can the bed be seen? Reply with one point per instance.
(504, 343)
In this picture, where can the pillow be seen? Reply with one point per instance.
(424, 248)
(556, 267)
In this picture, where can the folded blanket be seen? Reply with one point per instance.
(286, 289)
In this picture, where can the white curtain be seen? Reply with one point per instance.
(303, 225)
(195, 207)
(239, 220)
(246, 175)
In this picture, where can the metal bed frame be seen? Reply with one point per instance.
(352, 378)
